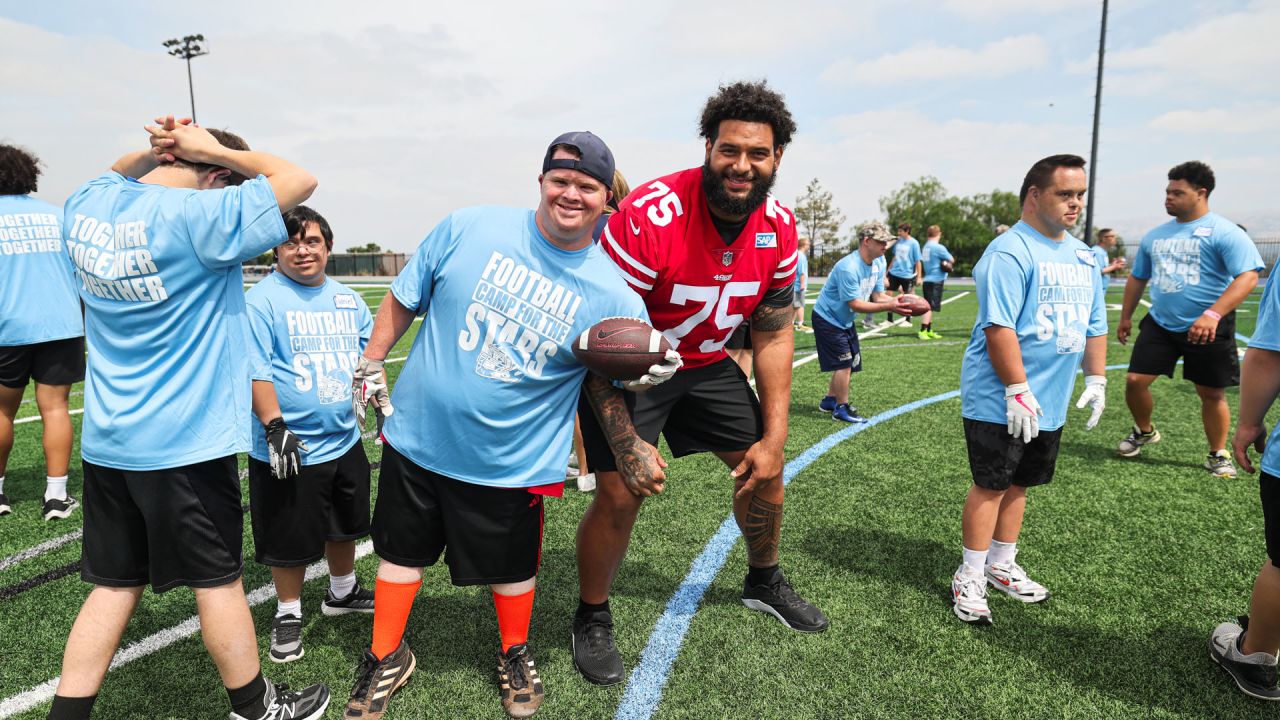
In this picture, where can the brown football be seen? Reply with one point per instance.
(916, 304)
(620, 348)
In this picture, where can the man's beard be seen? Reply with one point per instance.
(726, 204)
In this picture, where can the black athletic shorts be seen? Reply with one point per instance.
(492, 535)
(326, 502)
(1215, 365)
(706, 409)
(906, 285)
(169, 528)
(837, 347)
(741, 337)
(933, 293)
(1269, 490)
(57, 362)
(998, 460)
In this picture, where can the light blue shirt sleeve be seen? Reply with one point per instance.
(1142, 260)
(234, 224)
(1098, 312)
(1239, 254)
(1001, 286)
(414, 286)
(1266, 336)
(260, 338)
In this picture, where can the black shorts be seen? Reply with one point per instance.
(998, 460)
(1215, 365)
(741, 337)
(1269, 490)
(493, 535)
(933, 293)
(294, 518)
(57, 362)
(837, 347)
(169, 528)
(706, 409)
(906, 285)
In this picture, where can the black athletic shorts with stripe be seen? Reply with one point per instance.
(56, 362)
(706, 409)
(1215, 364)
(905, 285)
(933, 293)
(998, 459)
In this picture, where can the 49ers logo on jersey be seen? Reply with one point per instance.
(727, 258)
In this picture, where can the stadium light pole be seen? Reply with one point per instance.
(186, 48)
(1093, 152)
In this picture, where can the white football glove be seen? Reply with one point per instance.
(657, 374)
(369, 384)
(1022, 411)
(1095, 396)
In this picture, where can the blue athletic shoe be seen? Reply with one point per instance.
(828, 404)
(845, 413)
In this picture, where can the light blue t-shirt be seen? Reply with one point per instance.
(1190, 265)
(931, 257)
(1266, 336)
(906, 253)
(38, 299)
(850, 279)
(1103, 259)
(488, 393)
(802, 271)
(1050, 293)
(306, 341)
(167, 382)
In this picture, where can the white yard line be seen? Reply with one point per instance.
(44, 547)
(878, 330)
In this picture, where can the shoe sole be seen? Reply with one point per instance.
(1010, 592)
(573, 650)
(336, 611)
(59, 514)
(6, 510)
(981, 620)
(1213, 655)
(1228, 475)
(768, 610)
(289, 658)
(318, 712)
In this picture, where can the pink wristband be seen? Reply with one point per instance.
(1212, 314)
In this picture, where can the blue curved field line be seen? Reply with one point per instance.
(644, 688)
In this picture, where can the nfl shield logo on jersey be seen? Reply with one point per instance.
(727, 258)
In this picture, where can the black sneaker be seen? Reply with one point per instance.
(1254, 674)
(777, 598)
(306, 704)
(377, 680)
(594, 654)
(286, 639)
(358, 600)
(5, 507)
(59, 509)
(518, 682)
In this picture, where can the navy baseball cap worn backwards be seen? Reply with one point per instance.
(596, 159)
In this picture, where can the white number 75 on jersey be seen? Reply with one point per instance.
(712, 298)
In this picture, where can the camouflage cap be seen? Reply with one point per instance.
(876, 231)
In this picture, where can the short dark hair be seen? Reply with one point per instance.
(1041, 173)
(904, 227)
(748, 102)
(296, 219)
(226, 139)
(19, 170)
(1196, 174)
(1104, 231)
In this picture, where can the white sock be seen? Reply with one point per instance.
(293, 608)
(975, 560)
(56, 487)
(1002, 553)
(1, 484)
(342, 585)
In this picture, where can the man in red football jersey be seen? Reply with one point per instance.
(707, 248)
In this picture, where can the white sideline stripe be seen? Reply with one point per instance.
(1144, 302)
(43, 692)
(44, 547)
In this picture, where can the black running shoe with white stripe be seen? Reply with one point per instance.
(779, 599)
(5, 507)
(60, 509)
(358, 600)
(308, 703)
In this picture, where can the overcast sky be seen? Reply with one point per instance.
(405, 111)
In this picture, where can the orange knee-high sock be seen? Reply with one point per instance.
(514, 612)
(391, 605)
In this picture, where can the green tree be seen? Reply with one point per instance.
(818, 219)
(967, 223)
(369, 248)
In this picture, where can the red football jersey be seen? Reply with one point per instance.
(698, 289)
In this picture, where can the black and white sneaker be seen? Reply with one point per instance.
(779, 599)
(5, 507)
(286, 639)
(306, 704)
(358, 600)
(59, 509)
(594, 654)
(1254, 674)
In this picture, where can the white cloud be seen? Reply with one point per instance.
(1004, 8)
(999, 58)
(1239, 119)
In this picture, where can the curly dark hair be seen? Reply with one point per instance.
(749, 102)
(19, 170)
(1196, 174)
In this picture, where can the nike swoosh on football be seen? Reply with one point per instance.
(604, 334)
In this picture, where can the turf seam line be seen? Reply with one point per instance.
(49, 576)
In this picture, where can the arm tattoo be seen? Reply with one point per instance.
(771, 319)
(761, 529)
(611, 409)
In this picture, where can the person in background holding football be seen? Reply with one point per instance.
(905, 270)
(167, 400)
(1102, 250)
(707, 248)
(1041, 314)
(41, 333)
(936, 261)
(1203, 266)
(509, 292)
(855, 285)
(308, 473)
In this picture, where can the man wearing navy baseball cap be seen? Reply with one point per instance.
(482, 414)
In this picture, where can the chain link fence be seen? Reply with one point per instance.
(353, 264)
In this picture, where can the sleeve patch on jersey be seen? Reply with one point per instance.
(766, 240)
(344, 301)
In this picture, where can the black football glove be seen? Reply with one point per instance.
(283, 449)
